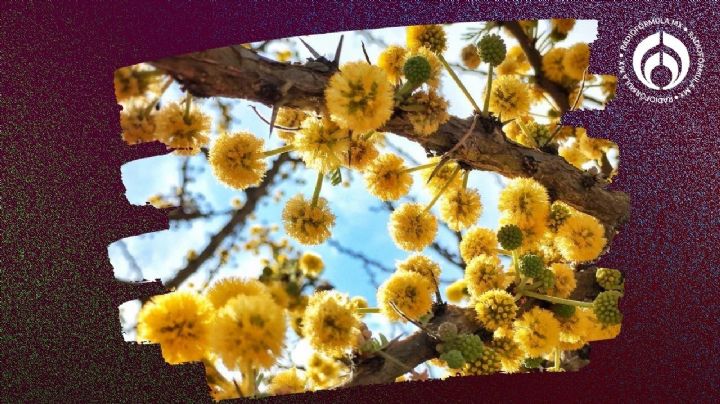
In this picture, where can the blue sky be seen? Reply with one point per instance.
(161, 254)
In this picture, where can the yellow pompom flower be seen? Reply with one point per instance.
(533, 231)
(552, 64)
(511, 355)
(441, 177)
(537, 332)
(574, 330)
(526, 200)
(362, 153)
(392, 60)
(476, 241)
(573, 155)
(484, 272)
(135, 81)
(562, 25)
(581, 238)
(386, 177)
(227, 288)
(180, 322)
(576, 60)
(136, 126)
(359, 97)
(305, 223)
(288, 381)
(470, 57)
(431, 37)
(323, 371)
(456, 291)
(279, 293)
(409, 291)
(330, 324)
(311, 264)
(433, 112)
(460, 208)
(322, 144)
(495, 308)
(248, 332)
(593, 147)
(516, 133)
(290, 118)
(237, 160)
(608, 85)
(422, 265)
(411, 227)
(184, 133)
(515, 62)
(509, 97)
(436, 67)
(564, 280)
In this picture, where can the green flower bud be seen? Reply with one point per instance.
(470, 345)
(531, 265)
(447, 331)
(510, 237)
(492, 49)
(609, 278)
(417, 69)
(563, 310)
(454, 359)
(547, 277)
(606, 309)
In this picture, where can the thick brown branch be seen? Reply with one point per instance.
(237, 220)
(239, 73)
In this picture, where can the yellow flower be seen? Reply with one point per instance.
(180, 322)
(441, 177)
(329, 323)
(289, 118)
(431, 37)
(392, 60)
(306, 223)
(311, 264)
(509, 97)
(456, 291)
(362, 153)
(576, 60)
(470, 56)
(515, 132)
(409, 291)
(322, 144)
(136, 126)
(509, 351)
(484, 272)
(135, 81)
(422, 265)
(248, 332)
(594, 148)
(562, 25)
(279, 293)
(580, 238)
(526, 200)
(476, 241)
(237, 160)
(515, 62)
(532, 231)
(185, 134)
(227, 288)
(564, 280)
(386, 179)
(495, 308)
(574, 330)
(537, 332)
(608, 85)
(411, 227)
(288, 381)
(573, 155)
(552, 64)
(433, 114)
(598, 331)
(323, 371)
(359, 97)
(436, 67)
(460, 208)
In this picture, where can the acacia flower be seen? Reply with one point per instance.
(329, 322)
(289, 118)
(180, 322)
(226, 288)
(495, 308)
(576, 60)
(359, 97)
(483, 273)
(436, 66)
(409, 291)
(311, 264)
(456, 291)
(287, 381)
(362, 152)
(412, 228)
(470, 56)
(509, 351)
(460, 208)
(552, 64)
(564, 280)
(322, 144)
(431, 37)
(184, 132)
(580, 238)
(237, 160)
(135, 81)
(422, 265)
(441, 177)
(306, 223)
(476, 241)
(509, 97)
(537, 332)
(391, 60)
(526, 200)
(386, 177)
(323, 371)
(431, 113)
(515, 62)
(136, 125)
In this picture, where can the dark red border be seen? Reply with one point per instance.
(63, 201)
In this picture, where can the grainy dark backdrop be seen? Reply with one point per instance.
(62, 201)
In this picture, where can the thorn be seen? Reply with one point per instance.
(310, 48)
(443, 160)
(336, 61)
(274, 115)
(367, 58)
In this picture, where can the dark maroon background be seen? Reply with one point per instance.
(62, 201)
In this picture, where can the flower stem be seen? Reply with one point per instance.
(486, 106)
(392, 359)
(553, 299)
(188, 102)
(418, 168)
(444, 187)
(367, 310)
(152, 105)
(318, 187)
(458, 81)
(466, 177)
(279, 150)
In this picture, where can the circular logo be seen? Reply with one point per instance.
(661, 60)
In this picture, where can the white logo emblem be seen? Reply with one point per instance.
(664, 49)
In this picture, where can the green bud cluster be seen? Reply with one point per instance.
(609, 278)
(605, 307)
(510, 237)
(454, 359)
(563, 310)
(531, 265)
(417, 69)
(492, 49)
